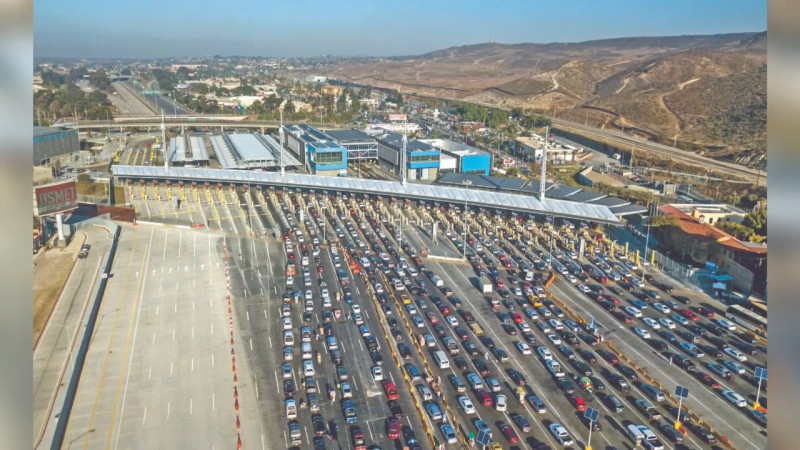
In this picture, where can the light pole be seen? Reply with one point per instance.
(591, 414)
(761, 374)
(647, 243)
(682, 393)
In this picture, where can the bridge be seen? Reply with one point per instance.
(455, 196)
(196, 121)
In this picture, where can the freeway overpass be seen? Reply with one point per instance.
(197, 120)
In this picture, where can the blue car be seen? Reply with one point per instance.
(638, 303)
(482, 426)
(433, 411)
(448, 433)
(349, 411)
(412, 371)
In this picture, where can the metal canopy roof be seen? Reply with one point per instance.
(523, 203)
(249, 148)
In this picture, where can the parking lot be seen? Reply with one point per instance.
(425, 298)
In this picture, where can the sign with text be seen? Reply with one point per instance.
(57, 197)
(397, 117)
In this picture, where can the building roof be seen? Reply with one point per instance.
(610, 202)
(350, 136)
(488, 199)
(585, 196)
(396, 140)
(563, 191)
(199, 151)
(248, 148)
(44, 131)
(694, 227)
(506, 184)
(453, 147)
(223, 153)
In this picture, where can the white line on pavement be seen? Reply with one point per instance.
(144, 417)
(170, 367)
(191, 403)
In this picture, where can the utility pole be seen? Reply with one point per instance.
(164, 142)
(281, 136)
(542, 183)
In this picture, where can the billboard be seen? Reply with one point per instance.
(397, 117)
(57, 197)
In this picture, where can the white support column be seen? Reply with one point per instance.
(60, 226)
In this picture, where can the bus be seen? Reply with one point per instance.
(747, 319)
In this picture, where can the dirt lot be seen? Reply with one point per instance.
(49, 275)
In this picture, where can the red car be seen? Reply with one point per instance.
(390, 390)
(444, 309)
(706, 379)
(484, 398)
(517, 317)
(358, 438)
(577, 402)
(500, 284)
(689, 314)
(622, 316)
(509, 433)
(614, 300)
(320, 270)
(393, 427)
(432, 317)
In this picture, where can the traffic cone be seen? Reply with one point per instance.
(238, 425)
(236, 404)
(239, 443)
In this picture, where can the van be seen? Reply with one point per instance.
(635, 434)
(441, 359)
(288, 338)
(652, 392)
(364, 262)
(615, 403)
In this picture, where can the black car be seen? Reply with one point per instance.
(595, 425)
(700, 431)
(319, 425)
(657, 344)
(618, 381)
(582, 368)
(487, 341)
(615, 290)
(516, 376)
(508, 328)
(461, 332)
(565, 385)
(529, 337)
(395, 409)
(628, 371)
(521, 422)
(683, 299)
(710, 350)
(588, 338)
(598, 384)
(439, 329)
(667, 335)
(391, 321)
(719, 342)
(376, 358)
(460, 362)
(319, 443)
(481, 367)
(396, 334)
(288, 387)
(404, 350)
(470, 348)
(566, 351)
(587, 355)
(569, 337)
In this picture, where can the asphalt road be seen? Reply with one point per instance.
(129, 103)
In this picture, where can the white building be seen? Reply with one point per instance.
(397, 127)
(555, 152)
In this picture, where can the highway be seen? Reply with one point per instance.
(128, 102)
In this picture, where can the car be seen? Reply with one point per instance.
(633, 311)
(706, 379)
(431, 316)
(466, 404)
(710, 350)
(493, 384)
(390, 390)
(560, 434)
(644, 334)
(657, 344)
(608, 356)
(734, 398)
(667, 323)
(288, 388)
(734, 366)
(470, 348)
(638, 303)
(393, 428)
(433, 411)
(689, 314)
(509, 432)
(452, 321)
(396, 334)
(347, 391)
(318, 424)
(341, 372)
(500, 402)
(670, 432)
(537, 404)
(587, 355)
(412, 371)
(583, 368)
(448, 433)
(516, 376)
(628, 371)
(482, 427)
(554, 339)
(523, 348)
(577, 402)
(509, 329)
(618, 381)
(483, 397)
(458, 383)
(735, 354)
(481, 367)
(661, 307)
(652, 323)
(691, 349)
(474, 380)
(566, 351)
(701, 432)
(487, 341)
(758, 416)
(565, 385)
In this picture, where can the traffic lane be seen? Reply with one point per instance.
(743, 429)
(548, 392)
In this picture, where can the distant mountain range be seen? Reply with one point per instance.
(707, 93)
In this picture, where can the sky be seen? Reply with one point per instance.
(297, 28)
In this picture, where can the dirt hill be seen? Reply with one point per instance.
(706, 90)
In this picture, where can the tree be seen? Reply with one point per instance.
(664, 220)
(288, 108)
(99, 79)
(757, 220)
(739, 231)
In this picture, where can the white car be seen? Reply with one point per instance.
(642, 332)
(561, 434)
(500, 402)
(652, 323)
(347, 391)
(583, 288)
(554, 339)
(287, 323)
(308, 368)
(289, 280)
(635, 312)
(466, 405)
(667, 323)
(734, 398)
(356, 308)
(308, 295)
(378, 288)
(637, 282)
(735, 354)
(555, 323)
(524, 327)
(544, 352)
(661, 307)
(523, 348)
(325, 293)
(571, 278)
(411, 309)
(452, 321)
(377, 373)
(725, 324)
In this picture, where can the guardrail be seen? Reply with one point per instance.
(80, 358)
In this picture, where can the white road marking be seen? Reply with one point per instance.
(255, 382)
(150, 372)
(192, 300)
(170, 367)
(156, 310)
(277, 386)
(192, 364)
(265, 314)
(262, 441)
(248, 314)
(251, 344)
(270, 341)
(191, 403)
(212, 360)
(176, 308)
(168, 403)
(213, 401)
(192, 332)
(154, 337)
(144, 417)
(212, 327)
(173, 334)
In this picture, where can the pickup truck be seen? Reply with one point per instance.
(647, 409)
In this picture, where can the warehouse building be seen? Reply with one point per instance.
(319, 152)
(251, 151)
(461, 158)
(50, 143)
(359, 146)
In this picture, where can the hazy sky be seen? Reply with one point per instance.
(148, 28)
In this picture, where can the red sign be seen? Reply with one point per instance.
(397, 117)
(55, 198)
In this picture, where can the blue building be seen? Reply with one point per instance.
(461, 158)
(53, 143)
(422, 160)
(318, 151)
